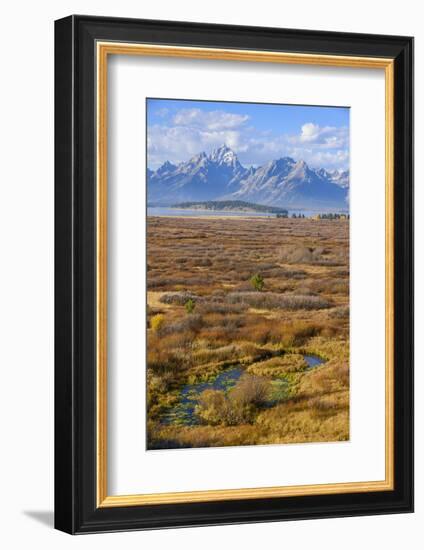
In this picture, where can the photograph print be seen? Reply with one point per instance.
(247, 274)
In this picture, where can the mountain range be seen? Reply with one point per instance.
(220, 176)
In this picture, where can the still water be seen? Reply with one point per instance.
(168, 211)
(184, 410)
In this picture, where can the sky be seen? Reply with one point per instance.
(257, 132)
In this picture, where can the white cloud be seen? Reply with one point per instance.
(211, 120)
(310, 132)
(179, 143)
(162, 112)
(325, 136)
(335, 159)
(194, 130)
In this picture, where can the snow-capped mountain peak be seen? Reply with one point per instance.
(281, 182)
(166, 168)
(339, 177)
(301, 171)
(224, 155)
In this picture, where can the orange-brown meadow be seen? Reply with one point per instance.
(248, 331)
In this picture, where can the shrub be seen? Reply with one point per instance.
(238, 406)
(223, 353)
(219, 306)
(287, 334)
(257, 282)
(260, 332)
(161, 362)
(190, 305)
(302, 331)
(211, 406)
(215, 408)
(251, 390)
(272, 300)
(179, 341)
(193, 324)
(238, 413)
(158, 282)
(204, 262)
(302, 254)
(169, 353)
(177, 298)
(284, 273)
(157, 385)
(305, 290)
(157, 322)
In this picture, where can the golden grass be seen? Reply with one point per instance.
(279, 366)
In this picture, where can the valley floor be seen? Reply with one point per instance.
(235, 308)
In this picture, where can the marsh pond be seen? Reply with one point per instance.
(184, 411)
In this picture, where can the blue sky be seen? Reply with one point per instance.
(177, 130)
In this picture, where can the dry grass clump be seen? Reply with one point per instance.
(286, 273)
(170, 353)
(331, 286)
(204, 262)
(334, 375)
(296, 254)
(165, 437)
(189, 323)
(215, 408)
(341, 312)
(330, 348)
(283, 334)
(166, 282)
(296, 333)
(272, 300)
(155, 283)
(279, 366)
(238, 406)
(214, 305)
(295, 422)
(227, 321)
(315, 255)
(263, 331)
(178, 298)
(304, 290)
(251, 390)
(227, 353)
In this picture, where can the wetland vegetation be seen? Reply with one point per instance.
(248, 331)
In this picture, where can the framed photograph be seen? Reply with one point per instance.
(234, 270)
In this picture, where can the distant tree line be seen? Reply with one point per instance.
(286, 215)
(231, 205)
(331, 216)
(326, 216)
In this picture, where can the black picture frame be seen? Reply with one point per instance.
(76, 510)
